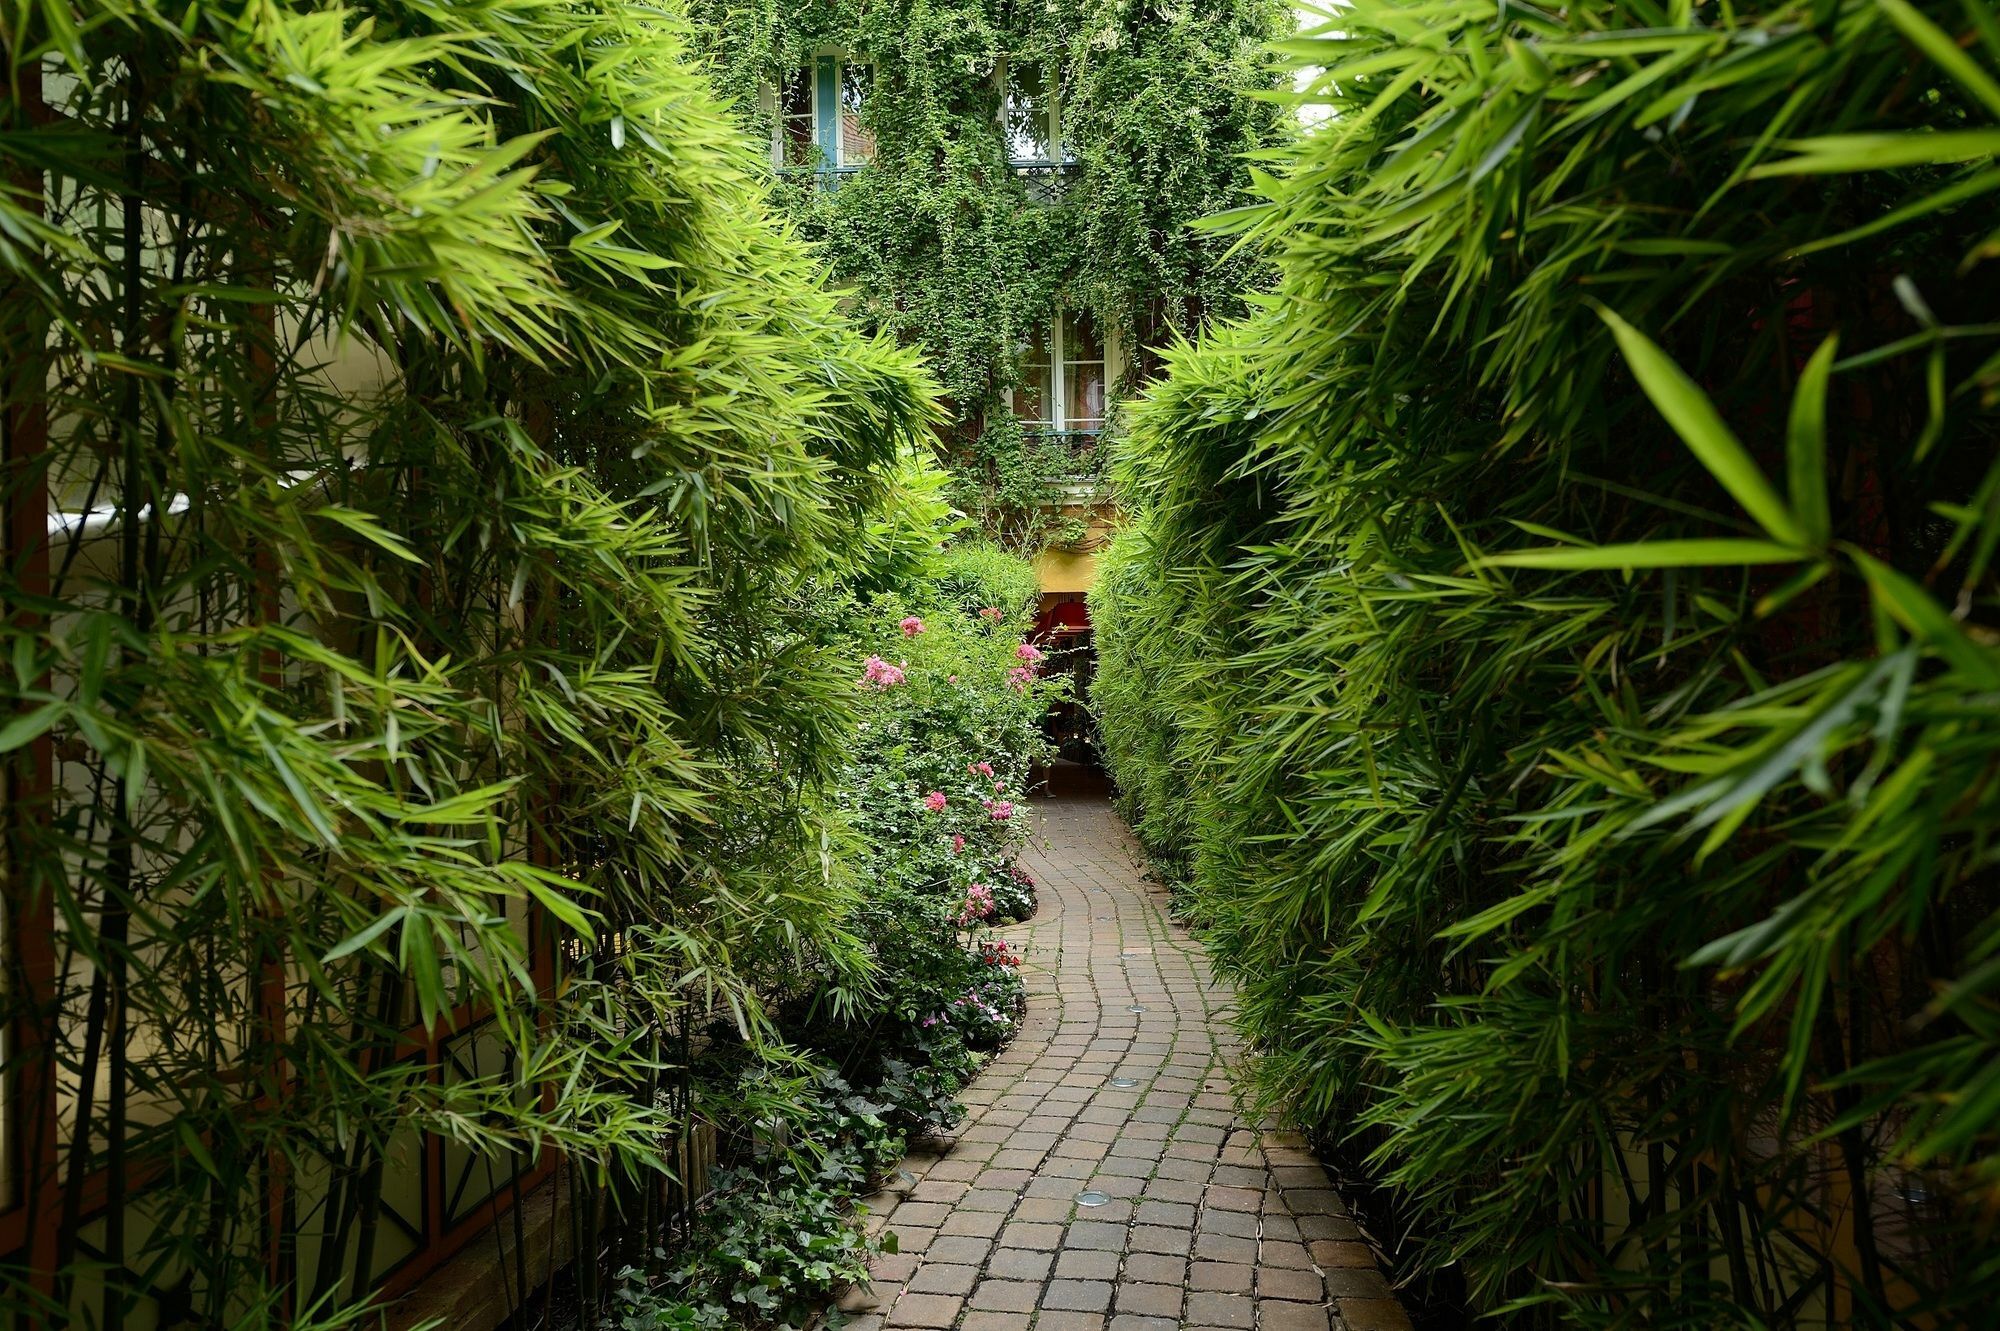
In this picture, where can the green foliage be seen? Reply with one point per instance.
(778, 1238)
(967, 577)
(941, 244)
(1565, 674)
(954, 722)
(435, 672)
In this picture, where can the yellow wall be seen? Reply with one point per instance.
(1066, 570)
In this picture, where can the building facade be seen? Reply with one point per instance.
(1016, 189)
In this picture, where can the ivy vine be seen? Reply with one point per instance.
(941, 243)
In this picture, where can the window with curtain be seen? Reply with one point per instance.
(821, 109)
(1082, 373)
(1062, 376)
(1035, 398)
(857, 141)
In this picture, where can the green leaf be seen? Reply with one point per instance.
(378, 927)
(1695, 420)
(1842, 154)
(365, 525)
(1805, 444)
(1912, 607)
(556, 901)
(30, 726)
(1936, 43)
(1649, 554)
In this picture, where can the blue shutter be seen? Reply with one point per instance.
(826, 110)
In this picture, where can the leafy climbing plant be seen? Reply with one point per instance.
(939, 241)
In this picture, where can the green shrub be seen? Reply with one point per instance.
(968, 576)
(1631, 909)
(951, 728)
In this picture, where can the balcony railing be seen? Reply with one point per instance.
(1076, 441)
(1046, 182)
(827, 178)
(1084, 481)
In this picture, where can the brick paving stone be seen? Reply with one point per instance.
(1089, 1296)
(1212, 1223)
(1007, 1296)
(1374, 1315)
(926, 1310)
(1149, 1300)
(1208, 1309)
(1291, 1316)
(943, 1278)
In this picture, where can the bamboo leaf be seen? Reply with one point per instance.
(1648, 554)
(1805, 445)
(1934, 42)
(1912, 607)
(1694, 419)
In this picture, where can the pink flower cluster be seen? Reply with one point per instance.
(935, 801)
(1020, 677)
(958, 843)
(911, 626)
(978, 904)
(879, 674)
(980, 769)
(1030, 654)
(1001, 810)
(993, 614)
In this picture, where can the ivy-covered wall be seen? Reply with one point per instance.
(944, 241)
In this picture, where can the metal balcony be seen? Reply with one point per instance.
(1046, 182)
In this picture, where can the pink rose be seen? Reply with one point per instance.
(958, 844)
(911, 626)
(935, 801)
(879, 674)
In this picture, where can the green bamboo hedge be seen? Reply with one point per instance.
(420, 723)
(1556, 648)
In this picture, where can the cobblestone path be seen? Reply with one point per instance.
(1117, 1091)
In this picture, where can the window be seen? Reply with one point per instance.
(1031, 113)
(795, 120)
(820, 116)
(1062, 376)
(1082, 360)
(857, 141)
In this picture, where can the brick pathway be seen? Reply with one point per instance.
(1118, 1087)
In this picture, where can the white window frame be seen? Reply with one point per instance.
(1059, 422)
(1052, 80)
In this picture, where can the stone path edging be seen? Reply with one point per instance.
(1206, 1223)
